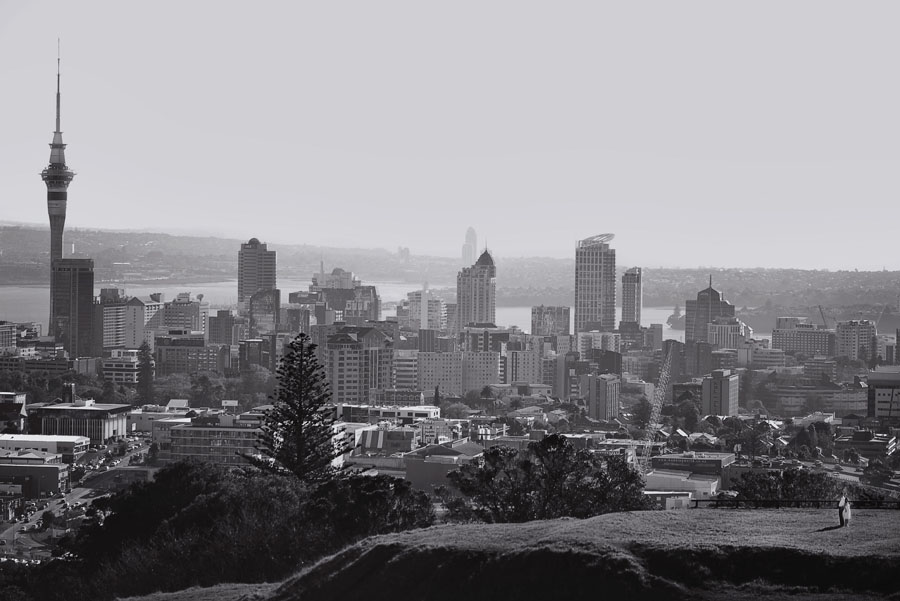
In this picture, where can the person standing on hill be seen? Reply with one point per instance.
(843, 505)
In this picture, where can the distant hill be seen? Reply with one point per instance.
(702, 554)
(142, 256)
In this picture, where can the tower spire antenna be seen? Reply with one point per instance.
(57, 84)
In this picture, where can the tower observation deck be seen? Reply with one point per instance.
(57, 176)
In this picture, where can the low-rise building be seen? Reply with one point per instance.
(427, 468)
(221, 439)
(70, 448)
(700, 486)
(372, 414)
(84, 417)
(39, 474)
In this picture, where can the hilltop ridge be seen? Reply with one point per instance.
(690, 554)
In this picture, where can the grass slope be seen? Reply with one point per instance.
(698, 554)
(745, 555)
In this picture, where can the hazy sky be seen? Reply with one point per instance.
(700, 133)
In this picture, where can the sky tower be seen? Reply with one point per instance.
(57, 176)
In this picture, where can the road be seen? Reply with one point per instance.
(96, 482)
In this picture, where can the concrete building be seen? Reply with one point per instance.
(476, 292)
(8, 337)
(595, 284)
(524, 366)
(427, 468)
(632, 296)
(480, 369)
(35, 473)
(727, 333)
(719, 393)
(256, 270)
(855, 339)
(883, 394)
(585, 342)
(550, 321)
(841, 399)
(122, 366)
(796, 335)
(69, 448)
(441, 370)
(220, 439)
(98, 421)
(406, 369)
(186, 313)
(698, 313)
(358, 359)
(372, 414)
(187, 353)
(426, 312)
(601, 393)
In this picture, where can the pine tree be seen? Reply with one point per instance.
(145, 373)
(299, 433)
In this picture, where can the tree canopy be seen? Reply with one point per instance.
(550, 479)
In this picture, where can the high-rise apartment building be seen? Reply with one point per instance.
(476, 292)
(601, 392)
(256, 270)
(632, 296)
(709, 305)
(550, 321)
(595, 284)
(57, 176)
(73, 305)
(719, 393)
(856, 339)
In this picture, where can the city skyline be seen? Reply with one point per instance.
(639, 150)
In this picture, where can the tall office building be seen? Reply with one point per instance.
(476, 292)
(57, 177)
(470, 248)
(72, 285)
(256, 270)
(595, 284)
(549, 321)
(632, 296)
(698, 314)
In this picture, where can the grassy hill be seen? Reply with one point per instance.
(692, 554)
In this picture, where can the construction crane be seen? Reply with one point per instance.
(822, 313)
(659, 395)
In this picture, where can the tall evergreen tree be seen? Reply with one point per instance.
(299, 434)
(146, 368)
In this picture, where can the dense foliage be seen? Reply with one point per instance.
(550, 479)
(196, 525)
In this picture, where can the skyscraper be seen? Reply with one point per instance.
(57, 177)
(701, 312)
(476, 292)
(470, 247)
(72, 286)
(632, 296)
(256, 270)
(595, 284)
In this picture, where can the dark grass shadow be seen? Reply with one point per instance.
(827, 528)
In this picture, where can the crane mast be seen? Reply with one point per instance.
(659, 395)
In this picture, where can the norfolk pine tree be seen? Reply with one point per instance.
(298, 435)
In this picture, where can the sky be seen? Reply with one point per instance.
(726, 134)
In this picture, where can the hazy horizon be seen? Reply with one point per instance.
(700, 133)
